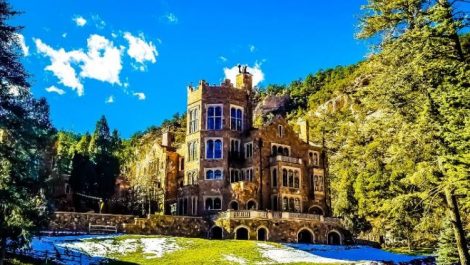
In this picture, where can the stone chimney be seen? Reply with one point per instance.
(244, 79)
(167, 138)
(304, 130)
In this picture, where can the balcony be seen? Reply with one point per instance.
(287, 159)
(250, 214)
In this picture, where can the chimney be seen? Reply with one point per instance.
(304, 130)
(167, 138)
(244, 79)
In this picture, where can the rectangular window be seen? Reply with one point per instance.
(234, 145)
(319, 183)
(193, 120)
(249, 150)
(214, 117)
(192, 151)
(236, 118)
(214, 147)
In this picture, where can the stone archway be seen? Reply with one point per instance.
(233, 205)
(334, 238)
(305, 236)
(242, 233)
(262, 234)
(315, 210)
(216, 232)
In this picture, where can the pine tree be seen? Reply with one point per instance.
(447, 253)
(27, 134)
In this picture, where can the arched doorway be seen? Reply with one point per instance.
(216, 232)
(334, 238)
(315, 210)
(305, 236)
(251, 205)
(234, 205)
(241, 233)
(262, 234)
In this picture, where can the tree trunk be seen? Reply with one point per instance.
(457, 227)
(3, 246)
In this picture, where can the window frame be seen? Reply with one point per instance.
(193, 119)
(206, 146)
(214, 169)
(236, 107)
(215, 117)
(248, 154)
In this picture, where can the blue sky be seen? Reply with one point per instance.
(132, 60)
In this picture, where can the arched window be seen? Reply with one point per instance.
(218, 174)
(280, 151)
(236, 119)
(296, 179)
(210, 149)
(209, 174)
(291, 178)
(284, 178)
(274, 177)
(214, 118)
(280, 131)
(291, 205)
(315, 159)
(285, 203)
(234, 175)
(286, 151)
(218, 149)
(297, 205)
(209, 204)
(217, 204)
(274, 150)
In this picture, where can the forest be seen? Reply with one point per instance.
(396, 127)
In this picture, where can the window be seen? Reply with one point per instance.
(235, 146)
(193, 120)
(214, 149)
(213, 203)
(192, 151)
(291, 205)
(234, 175)
(313, 158)
(249, 150)
(191, 178)
(213, 174)
(280, 130)
(274, 177)
(319, 183)
(278, 149)
(285, 203)
(297, 205)
(291, 178)
(181, 163)
(284, 178)
(296, 180)
(274, 206)
(249, 174)
(214, 117)
(236, 118)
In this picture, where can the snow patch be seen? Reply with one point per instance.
(287, 254)
(157, 247)
(235, 259)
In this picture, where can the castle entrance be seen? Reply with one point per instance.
(216, 232)
(334, 238)
(241, 234)
(262, 234)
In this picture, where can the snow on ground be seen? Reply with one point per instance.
(353, 253)
(156, 247)
(288, 254)
(234, 259)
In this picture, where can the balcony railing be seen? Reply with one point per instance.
(249, 214)
(288, 159)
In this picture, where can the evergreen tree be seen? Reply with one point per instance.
(447, 253)
(26, 135)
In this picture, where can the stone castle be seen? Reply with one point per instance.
(267, 183)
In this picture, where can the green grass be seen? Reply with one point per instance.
(197, 251)
(414, 252)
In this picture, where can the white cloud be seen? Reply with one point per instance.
(79, 21)
(252, 48)
(171, 18)
(139, 95)
(109, 100)
(140, 50)
(61, 65)
(222, 58)
(21, 42)
(54, 89)
(258, 75)
(64, 35)
(102, 62)
(99, 23)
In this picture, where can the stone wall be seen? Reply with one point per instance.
(186, 226)
(79, 222)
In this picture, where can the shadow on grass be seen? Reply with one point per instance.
(357, 253)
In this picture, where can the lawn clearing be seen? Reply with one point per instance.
(137, 249)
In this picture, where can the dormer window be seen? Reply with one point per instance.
(214, 117)
(236, 118)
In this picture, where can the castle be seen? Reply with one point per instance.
(267, 183)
